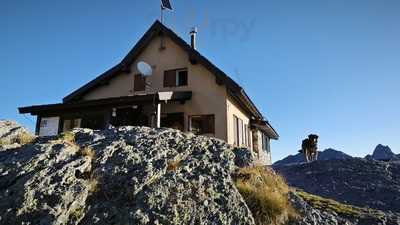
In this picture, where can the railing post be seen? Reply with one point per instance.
(158, 115)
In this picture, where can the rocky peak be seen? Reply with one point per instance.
(383, 153)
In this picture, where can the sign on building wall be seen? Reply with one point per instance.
(49, 126)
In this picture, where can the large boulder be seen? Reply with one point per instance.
(129, 175)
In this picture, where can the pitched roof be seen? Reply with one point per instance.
(234, 89)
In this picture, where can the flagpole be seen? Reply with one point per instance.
(162, 14)
(165, 4)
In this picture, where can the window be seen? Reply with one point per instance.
(173, 120)
(139, 83)
(175, 78)
(203, 124)
(238, 130)
(265, 142)
(71, 124)
(241, 132)
(94, 120)
(182, 78)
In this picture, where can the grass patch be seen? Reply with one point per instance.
(88, 152)
(77, 214)
(266, 195)
(173, 165)
(329, 204)
(93, 185)
(25, 138)
(68, 137)
(3, 142)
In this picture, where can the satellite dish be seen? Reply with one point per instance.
(144, 69)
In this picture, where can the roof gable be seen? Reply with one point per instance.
(124, 66)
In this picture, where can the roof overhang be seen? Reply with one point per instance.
(105, 102)
(265, 127)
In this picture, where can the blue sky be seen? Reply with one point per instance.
(325, 67)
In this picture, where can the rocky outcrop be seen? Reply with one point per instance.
(129, 175)
(312, 216)
(358, 182)
(314, 210)
(327, 154)
(12, 135)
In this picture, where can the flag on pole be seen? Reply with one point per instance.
(166, 4)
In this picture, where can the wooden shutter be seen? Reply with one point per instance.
(235, 130)
(249, 139)
(139, 83)
(240, 126)
(211, 124)
(170, 78)
(263, 141)
(245, 135)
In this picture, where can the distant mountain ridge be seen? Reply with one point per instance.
(380, 153)
(327, 154)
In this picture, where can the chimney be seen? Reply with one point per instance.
(193, 34)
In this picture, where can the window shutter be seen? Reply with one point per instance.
(139, 83)
(245, 135)
(235, 130)
(249, 139)
(240, 125)
(211, 124)
(208, 124)
(263, 141)
(170, 78)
